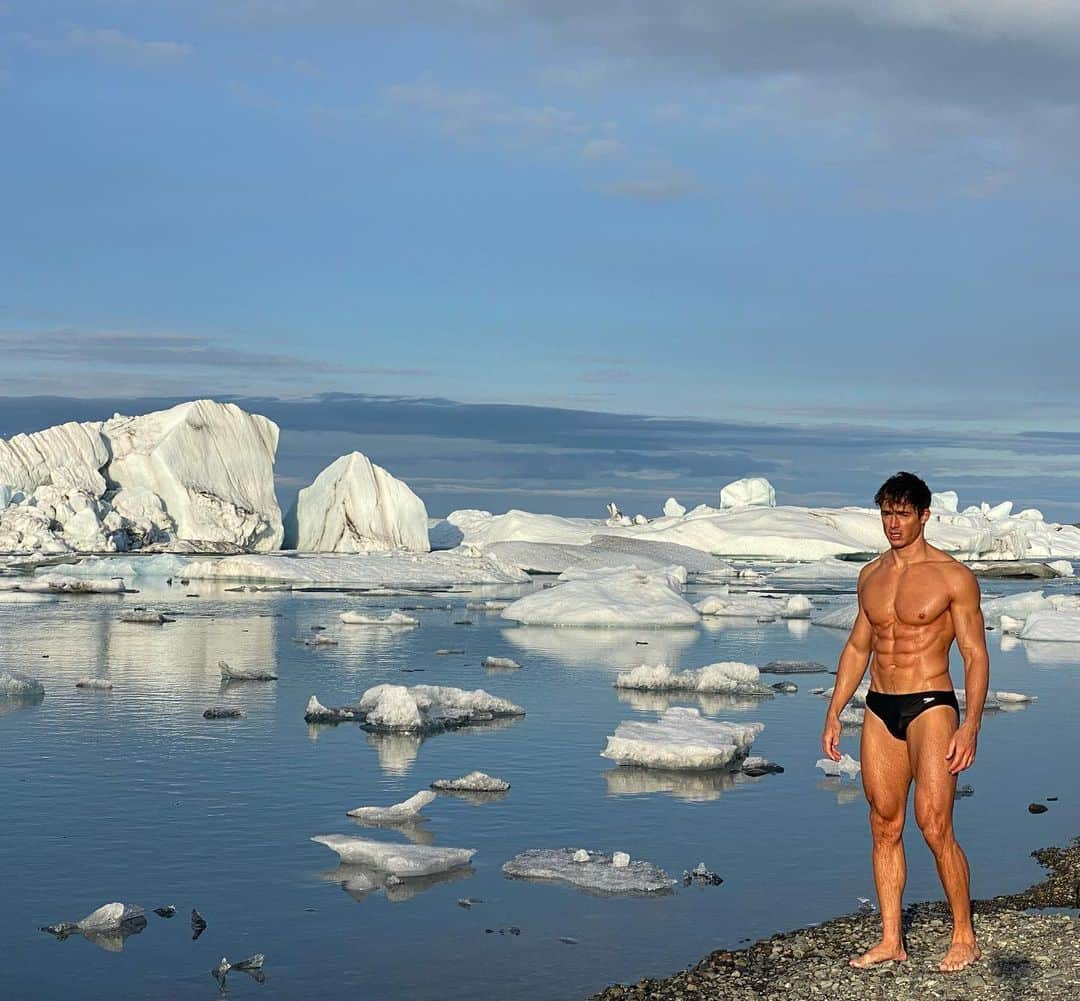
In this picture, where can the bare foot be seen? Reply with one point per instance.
(880, 953)
(960, 954)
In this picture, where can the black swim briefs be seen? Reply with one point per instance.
(897, 711)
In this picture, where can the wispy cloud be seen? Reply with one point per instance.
(664, 184)
(115, 44)
(600, 149)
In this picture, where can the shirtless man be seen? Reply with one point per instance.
(914, 600)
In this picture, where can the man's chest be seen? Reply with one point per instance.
(913, 597)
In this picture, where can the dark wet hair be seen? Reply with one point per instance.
(904, 488)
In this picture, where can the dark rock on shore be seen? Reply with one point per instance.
(1024, 955)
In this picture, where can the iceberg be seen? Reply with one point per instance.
(847, 765)
(355, 506)
(841, 617)
(396, 814)
(69, 457)
(473, 782)
(430, 708)
(244, 673)
(598, 873)
(728, 677)
(673, 509)
(403, 861)
(1054, 625)
(608, 598)
(1015, 606)
(363, 570)
(681, 739)
(395, 619)
(753, 491)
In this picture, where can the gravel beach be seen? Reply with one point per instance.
(1027, 953)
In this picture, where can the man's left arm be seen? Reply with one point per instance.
(971, 641)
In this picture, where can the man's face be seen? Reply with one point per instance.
(901, 523)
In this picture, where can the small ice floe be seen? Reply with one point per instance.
(681, 739)
(866, 905)
(473, 782)
(726, 677)
(852, 716)
(106, 927)
(229, 673)
(858, 697)
(486, 606)
(787, 687)
(1015, 698)
(755, 766)
(316, 712)
(95, 684)
(701, 874)
(20, 686)
(847, 765)
(165, 912)
(317, 639)
(223, 712)
(739, 606)
(817, 691)
(1010, 626)
(403, 861)
(797, 607)
(500, 662)
(581, 855)
(145, 617)
(598, 874)
(424, 709)
(1015, 606)
(842, 617)
(252, 966)
(396, 814)
(467, 902)
(963, 791)
(396, 619)
(198, 924)
(446, 652)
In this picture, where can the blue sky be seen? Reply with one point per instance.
(801, 214)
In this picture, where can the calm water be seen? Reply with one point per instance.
(132, 796)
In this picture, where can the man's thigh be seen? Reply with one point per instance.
(886, 768)
(928, 739)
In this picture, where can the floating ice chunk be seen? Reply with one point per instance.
(847, 765)
(725, 677)
(1063, 568)
(673, 509)
(430, 708)
(753, 491)
(473, 782)
(505, 662)
(20, 686)
(739, 605)
(794, 667)
(1011, 626)
(681, 739)
(620, 860)
(613, 598)
(54, 583)
(945, 502)
(355, 506)
(829, 568)
(852, 716)
(581, 855)
(145, 616)
(598, 875)
(403, 861)
(797, 607)
(316, 712)
(1016, 606)
(109, 917)
(407, 810)
(1015, 698)
(398, 619)
(1057, 626)
(95, 684)
(858, 697)
(486, 606)
(223, 712)
(245, 673)
(842, 617)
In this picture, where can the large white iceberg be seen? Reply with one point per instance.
(754, 491)
(403, 861)
(69, 456)
(1062, 626)
(681, 739)
(355, 506)
(623, 597)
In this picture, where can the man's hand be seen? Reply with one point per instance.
(961, 753)
(830, 738)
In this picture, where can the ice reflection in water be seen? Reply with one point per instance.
(694, 787)
(623, 649)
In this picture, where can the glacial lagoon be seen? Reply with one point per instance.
(131, 795)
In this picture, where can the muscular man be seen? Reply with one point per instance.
(914, 600)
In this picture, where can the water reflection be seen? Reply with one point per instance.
(695, 787)
(414, 829)
(360, 881)
(623, 649)
(846, 792)
(711, 705)
(13, 703)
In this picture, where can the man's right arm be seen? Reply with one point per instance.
(853, 660)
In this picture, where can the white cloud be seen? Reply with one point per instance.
(599, 149)
(115, 44)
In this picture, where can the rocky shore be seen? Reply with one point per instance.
(1025, 954)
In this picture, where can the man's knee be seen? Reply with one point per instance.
(936, 827)
(886, 828)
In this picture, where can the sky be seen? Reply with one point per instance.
(785, 213)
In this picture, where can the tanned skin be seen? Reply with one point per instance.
(914, 601)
